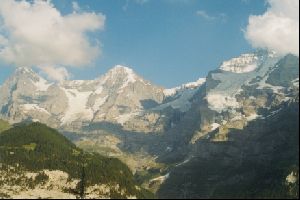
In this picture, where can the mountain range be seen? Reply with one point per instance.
(162, 133)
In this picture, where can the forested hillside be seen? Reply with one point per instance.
(3, 125)
(36, 147)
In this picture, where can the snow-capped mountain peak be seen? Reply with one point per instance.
(30, 76)
(242, 64)
(120, 77)
(26, 76)
(23, 70)
(121, 70)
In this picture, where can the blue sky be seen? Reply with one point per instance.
(168, 42)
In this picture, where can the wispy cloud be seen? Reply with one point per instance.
(55, 73)
(75, 6)
(204, 15)
(181, 1)
(245, 1)
(208, 17)
(140, 2)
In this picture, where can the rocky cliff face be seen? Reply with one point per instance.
(259, 161)
(234, 98)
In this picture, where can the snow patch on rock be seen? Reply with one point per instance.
(220, 102)
(190, 85)
(41, 85)
(182, 102)
(171, 92)
(99, 102)
(243, 64)
(214, 126)
(292, 178)
(197, 83)
(130, 78)
(77, 106)
(34, 107)
(160, 179)
(252, 117)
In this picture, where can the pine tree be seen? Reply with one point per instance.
(82, 183)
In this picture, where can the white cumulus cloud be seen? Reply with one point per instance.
(35, 33)
(277, 29)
